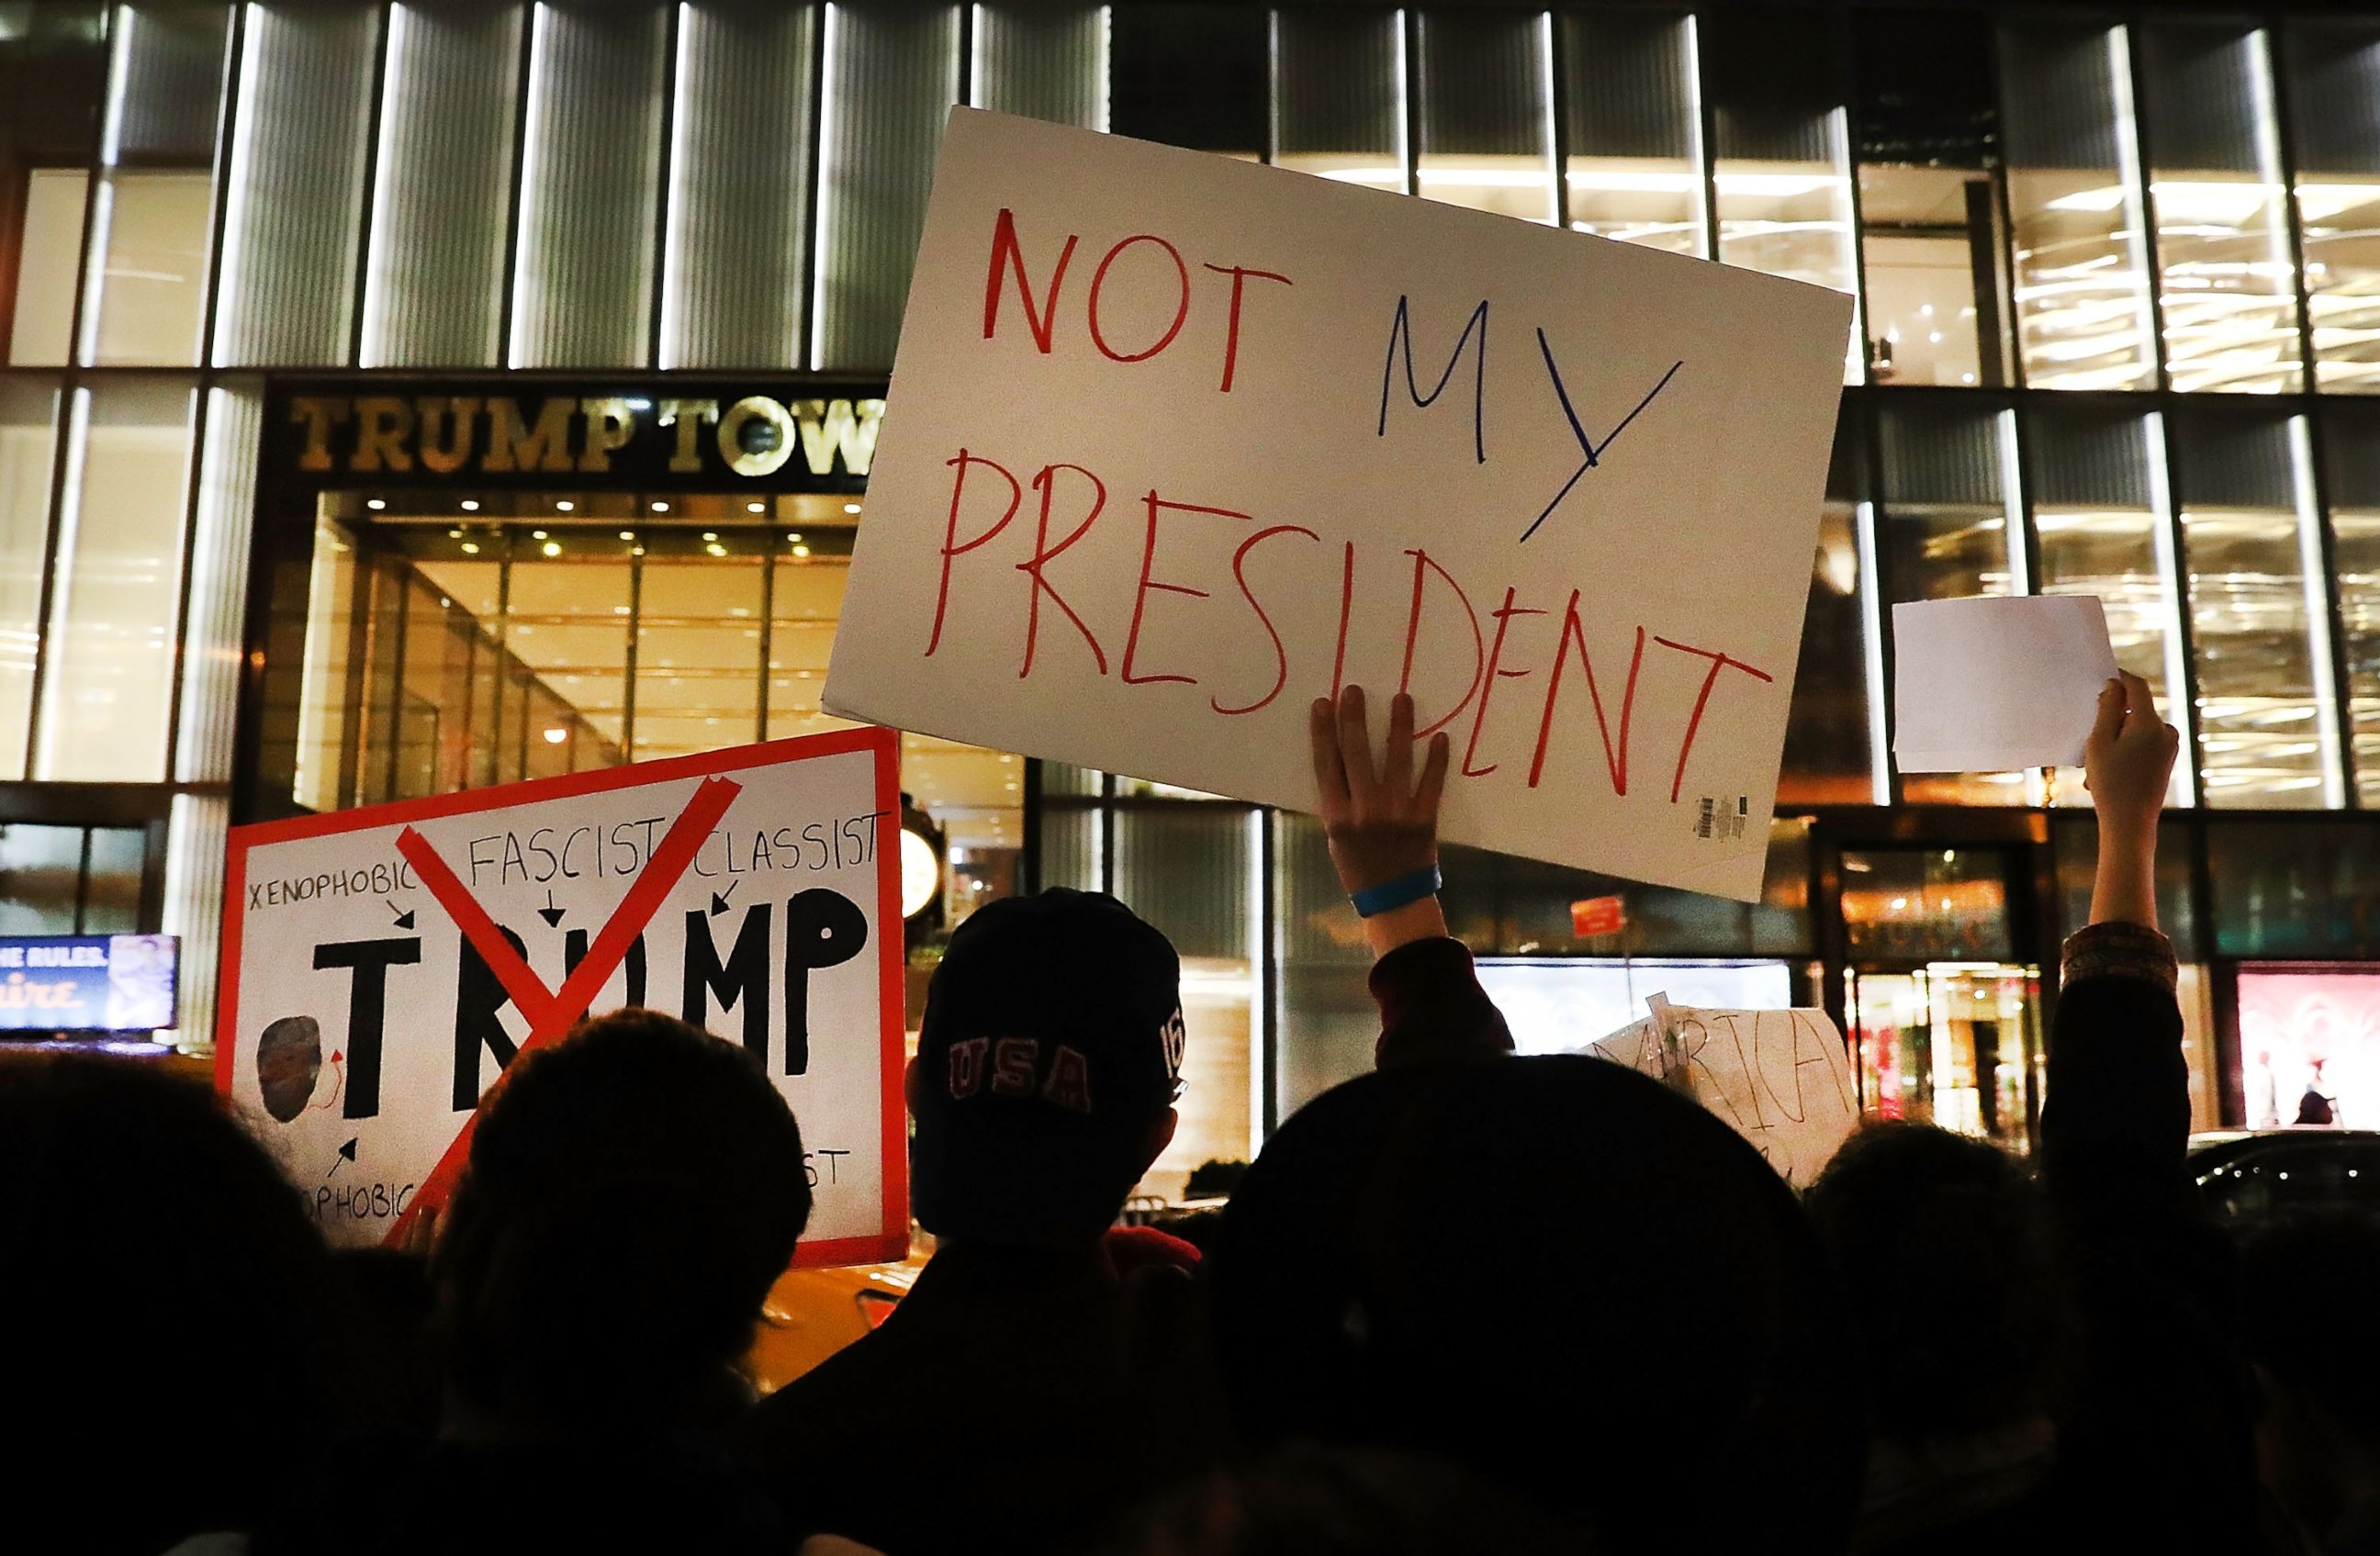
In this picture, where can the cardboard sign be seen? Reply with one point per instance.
(1178, 443)
(1781, 1078)
(1992, 684)
(381, 966)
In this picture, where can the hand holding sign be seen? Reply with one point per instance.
(1381, 825)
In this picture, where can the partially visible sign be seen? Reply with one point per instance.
(89, 982)
(1182, 443)
(1780, 1079)
(1598, 915)
(383, 966)
(1998, 683)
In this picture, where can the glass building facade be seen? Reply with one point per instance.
(2118, 332)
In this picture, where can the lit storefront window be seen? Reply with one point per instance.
(2267, 729)
(2225, 273)
(2310, 1047)
(2080, 251)
(1634, 131)
(2333, 77)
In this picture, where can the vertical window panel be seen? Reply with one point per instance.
(2258, 617)
(2351, 454)
(28, 446)
(1338, 94)
(890, 78)
(118, 586)
(144, 293)
(1828, 756)
(52, 82)
(698, 643)
(2224, 273)
(1486, 84)
(1951, 529)
(590, 176)
(1191, 75)
(2074, 199)
(434, 286)
(1042, 63)
(2334, 91)
(1632, 129)
(1780, 149)
(212, 641)
(739, 210)
(2102, 525)
(293, 194)
(1930, 234)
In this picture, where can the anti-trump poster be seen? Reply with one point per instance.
(1177, 443)
(383, 966)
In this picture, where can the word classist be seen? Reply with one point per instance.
(1181, 447)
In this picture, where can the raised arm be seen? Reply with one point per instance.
(2117, 1121)
(1382, 821)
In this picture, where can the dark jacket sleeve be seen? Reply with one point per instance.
(1432, 1008)
(2154, 1451)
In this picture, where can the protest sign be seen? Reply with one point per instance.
(1990, 685)
(88, 983)
(382, 965)
(1781, 1078)
(1177, 443)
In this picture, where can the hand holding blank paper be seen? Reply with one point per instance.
(1984, 685)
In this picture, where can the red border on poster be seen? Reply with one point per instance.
(892, 1242)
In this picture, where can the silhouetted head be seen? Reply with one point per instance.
(1047, 1062)
(165, 1298)
(1426, 1259)
(633, 1192)
(1919, 1220)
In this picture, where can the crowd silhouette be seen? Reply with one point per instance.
(1938, 1349)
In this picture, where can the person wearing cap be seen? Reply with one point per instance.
(1025, 1389)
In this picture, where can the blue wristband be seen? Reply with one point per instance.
(1389, 895)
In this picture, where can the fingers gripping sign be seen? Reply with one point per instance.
(1381, 819)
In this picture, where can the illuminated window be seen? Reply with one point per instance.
(2100, 517)
(2333, 79)
(2224, 273)
(1634, 131)
(1338, 94)
(1931, 248)
(2080, 248)
(1486, 81)
(2268, 727)
(2351, 451)
(1780, 144)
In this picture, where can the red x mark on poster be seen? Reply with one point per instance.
(552, 1012)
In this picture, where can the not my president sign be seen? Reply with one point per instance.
(382, 965)
(1176, 444)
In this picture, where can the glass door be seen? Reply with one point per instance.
(1951, 1043)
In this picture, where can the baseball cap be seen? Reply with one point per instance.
(1051, 1042)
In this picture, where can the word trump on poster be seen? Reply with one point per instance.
(1179, 443)
(1780, 1079)
(383, 967)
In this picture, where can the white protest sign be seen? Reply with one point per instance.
(1177, 443)
(1781, 1078)
(1990, 685)
(381, 966)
